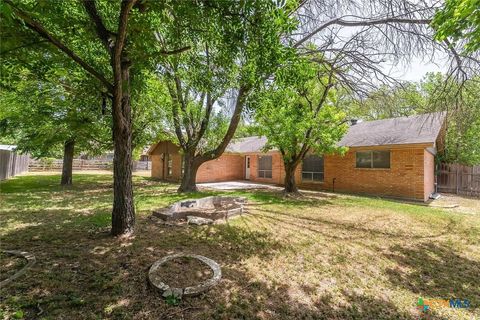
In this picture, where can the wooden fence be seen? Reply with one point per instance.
(459, 179)
(12, 163)
(81, 164)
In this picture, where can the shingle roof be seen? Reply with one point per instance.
(248, 144)
(423, 128)
(7, 147)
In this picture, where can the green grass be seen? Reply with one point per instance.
(324, 256)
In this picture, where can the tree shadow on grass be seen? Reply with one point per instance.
(89, 275)
(85, 273)
(435, 271)
(240, 297)
(353, 230)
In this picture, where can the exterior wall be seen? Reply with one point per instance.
(278, 171)
(410, 176)
(404, 179)
(159, 163)
(227, 167)
(429, 175)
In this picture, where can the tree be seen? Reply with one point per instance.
(297, 114)
(459, 20)
(461, 102)
(226, 60)
(114, 44)
(53, 115)
(387, 102)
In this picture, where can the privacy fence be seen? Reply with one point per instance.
(12, 163)
(81, 164)
(459, 179)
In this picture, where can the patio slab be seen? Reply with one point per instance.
(237, 185)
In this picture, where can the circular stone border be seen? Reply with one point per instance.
(22, 254)
(187, 291)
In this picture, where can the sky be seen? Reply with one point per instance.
(417, 68)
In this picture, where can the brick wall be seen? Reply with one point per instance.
(404, 178)
(227, 167)
(410, 176)
(159, 161)
(278, 172)
(429, 174)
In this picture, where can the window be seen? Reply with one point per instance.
(373, 159)
(169, 165)
(312, 168)
(265, 167)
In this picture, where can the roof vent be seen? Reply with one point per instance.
(355, 121)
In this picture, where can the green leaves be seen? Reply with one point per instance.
(297, 110)
(44, 110)
(460, 21)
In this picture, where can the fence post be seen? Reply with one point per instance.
(456, 178)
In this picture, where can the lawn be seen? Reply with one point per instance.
(324, 256)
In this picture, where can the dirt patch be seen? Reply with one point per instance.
(183, 272)
(9, 265)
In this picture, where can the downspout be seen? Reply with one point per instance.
(333, 185)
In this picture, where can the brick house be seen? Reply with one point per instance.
(391, 158)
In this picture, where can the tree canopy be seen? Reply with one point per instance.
(459, 20)
(460, 101)
(208, 84)
(298, 115)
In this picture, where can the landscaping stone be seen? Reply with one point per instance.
(203, 211)
(198, 220)
(168, 291)
(30, 262)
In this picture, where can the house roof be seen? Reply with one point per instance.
(7, 147)
(423, 128)
(248, 144)
(419, 129)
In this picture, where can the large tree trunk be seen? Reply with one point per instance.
(191, 166)
(67, 167)
(123, 213)
(192, 163)
(290, 185)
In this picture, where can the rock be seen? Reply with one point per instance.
(163, 214)
(178, 293)
(173, 292)
(198, 220)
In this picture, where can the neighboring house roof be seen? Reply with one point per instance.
(246, 145)
(7, 147)
(423, 128)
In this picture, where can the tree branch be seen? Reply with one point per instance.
(175, 51)
(242, 96)
(23, 46)
(100, 28)
(122, 29)
(38, 28)
(360, 23)
(176, 120)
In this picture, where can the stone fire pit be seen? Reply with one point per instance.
(203, 211)
(168, 290)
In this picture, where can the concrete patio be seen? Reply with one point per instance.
(237, 185)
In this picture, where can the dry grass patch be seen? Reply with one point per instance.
(319, 257)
